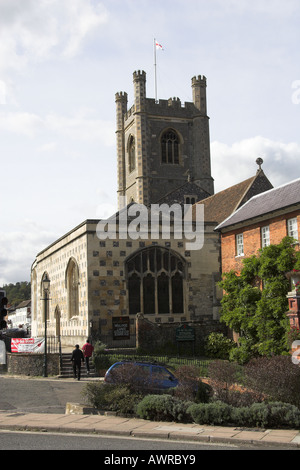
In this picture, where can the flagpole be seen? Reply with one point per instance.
(155, 77)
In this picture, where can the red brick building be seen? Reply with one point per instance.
(263, 220)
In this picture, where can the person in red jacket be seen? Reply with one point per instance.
(87, 349)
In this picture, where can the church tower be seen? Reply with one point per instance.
(162, 145)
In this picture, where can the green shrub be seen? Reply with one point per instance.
(163, 408)
(204, 393)
(218, 346)
(97, 394)
(210, 413)
(240, 416)
(262, 415)
(111, 397)
(244, 352)
(123, 401)
(271, 415)
(99, 359)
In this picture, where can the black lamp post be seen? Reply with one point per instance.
(46, 289)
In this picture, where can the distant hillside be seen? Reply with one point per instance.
(18, 292)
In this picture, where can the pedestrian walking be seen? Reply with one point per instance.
(77, 358)
(87, 349)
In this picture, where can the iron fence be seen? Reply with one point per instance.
(53, 344)
(203, 363)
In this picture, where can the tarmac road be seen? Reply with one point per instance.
(39, 396)
(39, 405)
(12, 440)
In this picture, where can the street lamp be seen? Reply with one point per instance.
(46, 289)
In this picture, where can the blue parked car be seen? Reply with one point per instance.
(142, 375)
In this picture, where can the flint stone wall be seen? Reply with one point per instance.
(32, 364)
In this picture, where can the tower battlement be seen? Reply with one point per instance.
(139, 75)
(200, 80)
(121, 95)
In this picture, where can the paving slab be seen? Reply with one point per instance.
(120, 426)
(251, 435)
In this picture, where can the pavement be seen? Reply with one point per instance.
(78, 418)
(139, 428)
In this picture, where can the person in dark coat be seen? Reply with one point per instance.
(77, 359)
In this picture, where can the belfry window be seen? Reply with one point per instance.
(170, 147)
(131, 153)
(155, 282)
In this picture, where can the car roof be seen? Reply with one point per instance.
(141, 363)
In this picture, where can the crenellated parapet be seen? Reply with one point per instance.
(199, 80)
(139, 75)
(121, 96)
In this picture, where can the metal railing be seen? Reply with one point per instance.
(166, 360)
(53, 344)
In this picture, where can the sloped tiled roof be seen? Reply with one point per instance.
(261, 204)
(219, 206)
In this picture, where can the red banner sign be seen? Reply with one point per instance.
(27, 345)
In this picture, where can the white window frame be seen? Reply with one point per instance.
(265, 236)
(239, 243)
(292, 228)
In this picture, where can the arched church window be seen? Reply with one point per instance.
(170, 147)
(72, 285)
(155, 281)
(131, 153)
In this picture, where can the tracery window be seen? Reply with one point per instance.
(170, 147)
(155, 282)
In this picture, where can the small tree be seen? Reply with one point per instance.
(218, 346)
(255, 304)
(100, 360)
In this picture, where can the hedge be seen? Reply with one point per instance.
(271, 415)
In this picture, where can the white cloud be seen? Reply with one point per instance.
(19, 249)
(80, 127)
(269, 7)
(48, 147)
(37, 30)
(20, 123)
(235, 163)
(82, 19)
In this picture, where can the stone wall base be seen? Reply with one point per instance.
(32, 364)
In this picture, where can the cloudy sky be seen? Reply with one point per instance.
(61, 63)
